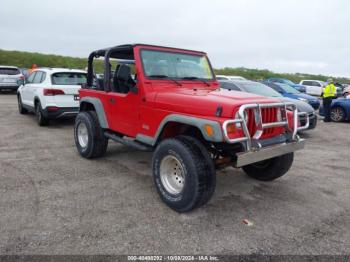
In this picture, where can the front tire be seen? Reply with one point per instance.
(21, 110)
(88, 134)
(337, 114)
(41, 119)
(184, 176)
(270, 169)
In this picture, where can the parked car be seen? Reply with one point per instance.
(51, 93)
(340, 110)
(264, 90)
(177, 110)
(224, 77)
(288, 91)
(315, 87)
(9, 77)
(298, 87)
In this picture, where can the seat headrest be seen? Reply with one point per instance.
(123, 73)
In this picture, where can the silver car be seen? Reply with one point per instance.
(9, 77)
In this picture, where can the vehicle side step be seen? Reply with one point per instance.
(128, 141)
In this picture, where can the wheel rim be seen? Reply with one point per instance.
(337, 114)
(172, 174)
(83, 137)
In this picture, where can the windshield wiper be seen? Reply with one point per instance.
(166, 77)
(195, 78)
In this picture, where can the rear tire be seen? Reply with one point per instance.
(88, 134)
(270, 169)
(184, 175)
(337, 114)
(21, 110)
(40, 118)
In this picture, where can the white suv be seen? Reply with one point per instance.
(51, 93)
(9, 76)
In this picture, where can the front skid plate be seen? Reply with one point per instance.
(247, 158)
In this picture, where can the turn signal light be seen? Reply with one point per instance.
(231, 128)
(53, 92)
(209, 130)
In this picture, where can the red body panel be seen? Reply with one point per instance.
(142, 113)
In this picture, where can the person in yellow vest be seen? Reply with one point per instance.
(329, 93)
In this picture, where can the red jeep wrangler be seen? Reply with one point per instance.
(167, 100)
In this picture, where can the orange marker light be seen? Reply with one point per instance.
(231, 128)
(209, 130)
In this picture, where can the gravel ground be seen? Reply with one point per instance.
(52, 201)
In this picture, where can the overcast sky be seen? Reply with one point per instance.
(309, 36)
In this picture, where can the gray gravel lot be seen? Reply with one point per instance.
(52, 201)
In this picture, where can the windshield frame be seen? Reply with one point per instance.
(171, 77)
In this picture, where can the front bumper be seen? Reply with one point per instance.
(246, 158)
(8, 86)
(60, 112)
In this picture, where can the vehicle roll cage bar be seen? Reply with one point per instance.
(125, 52)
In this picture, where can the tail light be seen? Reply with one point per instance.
(52, 108)
(53, 92)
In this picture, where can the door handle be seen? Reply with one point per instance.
(112, 100)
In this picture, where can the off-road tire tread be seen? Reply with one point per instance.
(210, 183)
(201, 196)
(99, 141)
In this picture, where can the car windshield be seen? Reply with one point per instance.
(159, 64)
(288, 82)
(69, 78)
(259, 89)
(9, 71)
(288, 89)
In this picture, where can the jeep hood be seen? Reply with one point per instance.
(206, 102)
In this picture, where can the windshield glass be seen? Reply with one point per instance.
(288, 89)
(175, 65)
(68, 78)
(288, 82)
(258, 89)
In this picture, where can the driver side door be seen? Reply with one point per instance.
(123, 105)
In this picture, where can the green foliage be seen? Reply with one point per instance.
(260, 74)
(26, 59)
